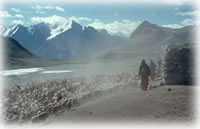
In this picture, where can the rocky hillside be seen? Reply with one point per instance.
(16, 56)
(147, 42)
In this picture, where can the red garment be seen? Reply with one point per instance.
(144, 82)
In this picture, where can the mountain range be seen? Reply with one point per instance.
(147, 42)
(67, 41)
(75, 41)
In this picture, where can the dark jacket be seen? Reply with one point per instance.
(144, 70)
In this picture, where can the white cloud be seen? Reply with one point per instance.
(19, 16)
(187, 22)
(174, 26)
(40, 12)
(79, 19)
(190, 13)
(183, 23)
(39, 7)
(17, 22)
(51, 20)
(125, 27)
(176, 2)
(15, 10)
(59, 9)
(84, 19)
(58, 19)
(5, 14)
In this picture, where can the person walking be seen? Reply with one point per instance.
(144, 73)
(159, 67)
(152, 69)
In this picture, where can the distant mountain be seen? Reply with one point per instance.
(78, 42)
(14, 53)
(146, 42)
(66, 41)
(14, 50)
(16, 56)
(29, 37)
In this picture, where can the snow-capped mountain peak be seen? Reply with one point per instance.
(14, 29)
(56, 29)
(62, 39)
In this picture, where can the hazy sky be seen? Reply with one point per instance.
(116, 18)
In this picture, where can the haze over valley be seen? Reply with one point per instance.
(62, 62)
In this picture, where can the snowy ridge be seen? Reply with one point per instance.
(9, 31)
(55, 29)
(14, 29)
(58, 29)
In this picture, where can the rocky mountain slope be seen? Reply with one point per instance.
(16, 56)
(14, 53)
(147, 41)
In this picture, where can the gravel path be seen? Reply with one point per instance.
(164, 104)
